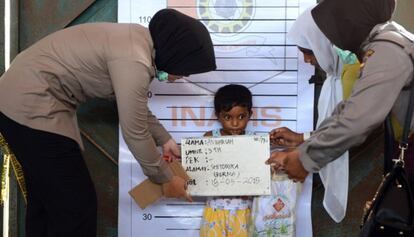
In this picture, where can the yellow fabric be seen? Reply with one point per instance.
(350, 73)
(396, 126)
(224, 223)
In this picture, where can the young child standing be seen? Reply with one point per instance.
(229, 216)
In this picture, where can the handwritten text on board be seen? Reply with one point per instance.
(228, 165)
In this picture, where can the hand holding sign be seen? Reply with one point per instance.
(289, 162)
(176, 188)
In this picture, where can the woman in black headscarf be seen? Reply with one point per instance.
(45, 84)
(351, 25)
(183, 46)
(347, 24)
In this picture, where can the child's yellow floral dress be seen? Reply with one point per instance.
(226, 216)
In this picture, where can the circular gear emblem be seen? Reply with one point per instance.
(226, 16)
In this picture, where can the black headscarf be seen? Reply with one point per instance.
(182, 44)
(347, 23)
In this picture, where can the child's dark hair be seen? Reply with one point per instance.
(230, 96)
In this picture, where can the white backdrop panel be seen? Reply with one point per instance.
(251, 48)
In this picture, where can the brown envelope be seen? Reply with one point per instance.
(148, 192)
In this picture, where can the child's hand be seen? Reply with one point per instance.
(171, 150)
(285, 137)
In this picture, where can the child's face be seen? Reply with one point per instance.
(234, 122)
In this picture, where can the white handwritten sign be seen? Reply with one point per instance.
(227, 165)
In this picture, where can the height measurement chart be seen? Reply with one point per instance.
(251, 49)
(227, 165)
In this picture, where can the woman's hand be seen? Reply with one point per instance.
(285, 137)
(176, 188)
(171, 150)
(289, 163)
